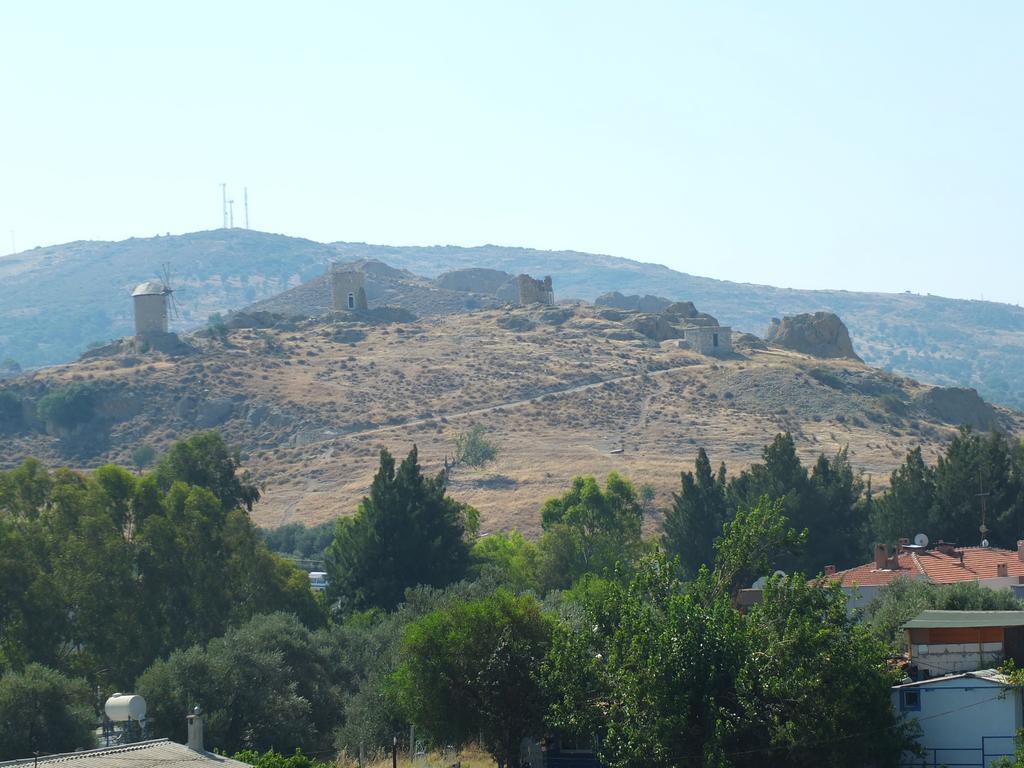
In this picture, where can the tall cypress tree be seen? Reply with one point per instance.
(697, 515)
(405, 533)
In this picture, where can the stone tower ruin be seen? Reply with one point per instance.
(348, 289)
(535, 291)
(149, 301)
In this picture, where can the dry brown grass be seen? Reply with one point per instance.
(471, 757)
(556, 399)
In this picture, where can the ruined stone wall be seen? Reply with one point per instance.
(535, 291)
(348, 290)
(150, 313)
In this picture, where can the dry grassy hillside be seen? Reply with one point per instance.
(561, 390)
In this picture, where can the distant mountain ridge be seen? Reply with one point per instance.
(54, 301)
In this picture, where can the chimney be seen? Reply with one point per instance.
(830, 570)
(880, 557)
(195, 731)
(1002, 569)
(902, 544)
(1020, 550)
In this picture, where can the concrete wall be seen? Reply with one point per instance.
(941, 659)
(150, 313)
(963, 721)
(708, 339)
(348, 290)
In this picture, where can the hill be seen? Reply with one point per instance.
(562, 390)
(55, 301)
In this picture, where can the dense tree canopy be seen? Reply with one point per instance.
(102, 574)
(668, 675)
(41, 710)
(470, 671)
(406, 532)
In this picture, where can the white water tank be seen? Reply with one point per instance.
(122, 707)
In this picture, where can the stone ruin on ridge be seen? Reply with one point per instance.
(535, 291)
(348, 289)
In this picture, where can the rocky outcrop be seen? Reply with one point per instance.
(648, 303)
(473, 280)
(963, 407)
(822, 334)
(655, 327)
(686, 313)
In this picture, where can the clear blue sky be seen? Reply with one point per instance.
(859, 145)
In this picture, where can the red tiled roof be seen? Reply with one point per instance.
(937, 567)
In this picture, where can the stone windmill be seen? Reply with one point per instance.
(152, 301)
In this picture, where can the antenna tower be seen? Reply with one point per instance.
(983, 495)
(245, 196)
(231, 213)
(224, 204)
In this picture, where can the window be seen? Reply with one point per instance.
(351, 301)
(910, 699)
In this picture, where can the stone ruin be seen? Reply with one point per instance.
(348, 289)
(535, 291)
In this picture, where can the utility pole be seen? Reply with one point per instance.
(245, 195)
(394, 752)
(224, 204)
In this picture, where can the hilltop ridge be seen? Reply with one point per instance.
(562, 390)
(55, 301)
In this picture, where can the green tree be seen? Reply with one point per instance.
(697, 515)
(406, 532)
(470, 671)
(905, 510)
(473, 449)
(42, 710)
(589, 530)
(514, 560)
(670, 674)
(264, 684)
(974, 464)
(142, 456)
(68, 407)
(204, 459)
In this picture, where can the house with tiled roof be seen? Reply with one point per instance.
(940, 564)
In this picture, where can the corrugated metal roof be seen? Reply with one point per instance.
(160, 753)
(988, 675)
(149, 288)
(966, 619)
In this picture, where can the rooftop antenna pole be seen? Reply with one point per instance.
(983, 495)
(245, 195)
(224, 203)
(231, 213)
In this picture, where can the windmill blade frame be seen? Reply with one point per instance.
(169, 291)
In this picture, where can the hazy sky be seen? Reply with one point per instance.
(859, 145)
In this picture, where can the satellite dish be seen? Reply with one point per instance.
(759, 584)
(984, 543)
(780, 574)
(921, 540)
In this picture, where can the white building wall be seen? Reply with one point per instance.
(963, 721)
(942, 659)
